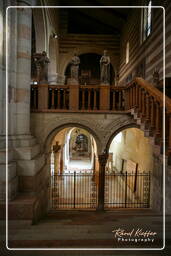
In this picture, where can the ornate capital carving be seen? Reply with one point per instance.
(103, 159)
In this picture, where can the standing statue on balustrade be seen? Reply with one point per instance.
(75, 61)
(42, 61)
(105, 69)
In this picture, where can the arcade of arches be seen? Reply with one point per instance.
(74, 170)
(85, 114)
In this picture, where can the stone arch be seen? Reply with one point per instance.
(52, 134)
(90, 61)
(124, 127)
(102, 126)
(85, 50)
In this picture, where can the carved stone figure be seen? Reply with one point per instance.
(105, 68)
(156, 77)
(57, 154)
(42, 62)
(75, 61)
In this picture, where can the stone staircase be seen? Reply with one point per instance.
(85, 229)
(25, 172)
(148, 132)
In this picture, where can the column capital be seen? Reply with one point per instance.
(103, 159)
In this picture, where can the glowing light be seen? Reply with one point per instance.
(118, 138)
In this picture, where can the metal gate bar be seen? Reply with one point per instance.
(127, 190)
(73, 191)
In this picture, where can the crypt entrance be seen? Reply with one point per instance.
(73, 170)
(81, 179)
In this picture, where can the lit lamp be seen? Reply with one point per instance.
(54, 35)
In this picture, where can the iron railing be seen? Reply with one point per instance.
(127, 190)
(79, 191)
(73, 191)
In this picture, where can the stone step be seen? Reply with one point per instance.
(79, 243)
(21, 141)
(30, 167)
(13, 188)
(27, 153)
(11, 171)
(3, 155)
(19, 224)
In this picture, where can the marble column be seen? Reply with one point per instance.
(102, 164)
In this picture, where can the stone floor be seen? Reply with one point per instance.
(79, 164)
(86, 230)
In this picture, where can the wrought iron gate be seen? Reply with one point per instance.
(73, 191)
(127, 190)
(79, 191)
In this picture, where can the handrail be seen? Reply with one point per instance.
(89, 86)
(139, 97)
(153, 91)
(117, 88)
(58, 86)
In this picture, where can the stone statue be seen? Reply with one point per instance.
(42, 67)
(75, 61)
(57, 153)
(156, 78)
(56, 147)
(105, 68)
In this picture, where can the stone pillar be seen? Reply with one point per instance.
(26, 172)
(73, 97)
(24, 23)
(42, 96)
(104, 97)
(102, 163)
(96, 170)
(12, 186)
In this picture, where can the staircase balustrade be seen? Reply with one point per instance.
(140, 98)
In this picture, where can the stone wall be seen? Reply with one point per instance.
(135, 147)
(102, 126)
(149, 52)
(81, 44)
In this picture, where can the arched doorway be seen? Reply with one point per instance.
(128, 170)
(73, 170)
(89, 69)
